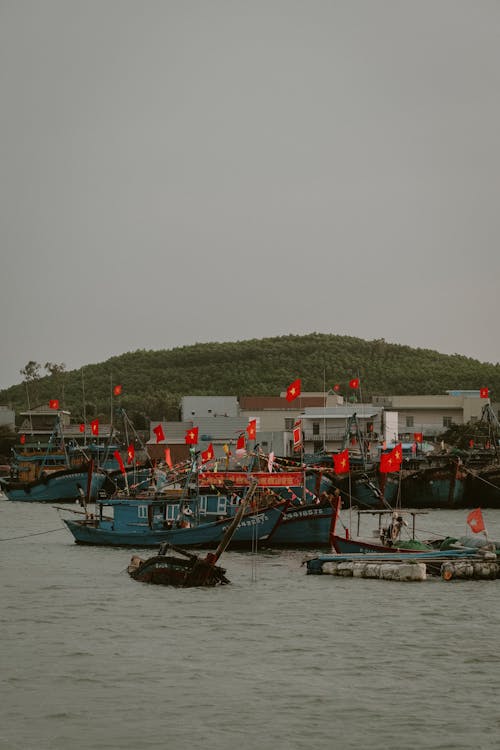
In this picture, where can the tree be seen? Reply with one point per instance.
(57, 371)
(31, 371)
(31, 374)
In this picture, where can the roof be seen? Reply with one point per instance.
(341, 412)
(259, 403)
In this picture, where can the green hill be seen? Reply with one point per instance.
(154, 381)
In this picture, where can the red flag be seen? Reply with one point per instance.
(158, 431)
(471, 443)
(240, 445)
(252, 429)
(341, 462)
(297, 435)
(22, 439)
(191, 437)
(94, 426)
(354, 383)
(484, 393)
(208, 454)
(168, 458)
(130, 453)
(418, 437)
(82, 427)
(116, 454)
(117, 390)
(475, 521)
(53, 403)
(391, 461)
(293, 390)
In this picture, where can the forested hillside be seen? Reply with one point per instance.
(154, 381)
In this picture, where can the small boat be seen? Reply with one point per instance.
(393, 533)
(186, 569)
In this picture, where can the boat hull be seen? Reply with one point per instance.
(254, 528)
(304, 526)
(167, 570)
(345, 546)
(61, 486)
(427, 483)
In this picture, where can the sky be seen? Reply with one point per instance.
(182, 171)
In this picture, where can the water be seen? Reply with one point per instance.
(92, 660)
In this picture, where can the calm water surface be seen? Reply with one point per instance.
(91, 659)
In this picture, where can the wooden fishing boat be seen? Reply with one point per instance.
(185, 569)
(393, 533)
(145, 520)
(58, 472)
(307, 520)
(63, 485)
(396, 536)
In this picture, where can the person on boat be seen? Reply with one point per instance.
(80, 500)
(393, 531)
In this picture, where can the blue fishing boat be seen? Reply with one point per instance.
(143, 522)
(58, 471)
(65, 485)
(305, 523)
(305, 526)
(426, 481)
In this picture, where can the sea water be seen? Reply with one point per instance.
(93, 660)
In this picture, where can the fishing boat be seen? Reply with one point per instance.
(57, 471)
(431, 480)
(305, 522)
(142, 521)
(64, 485)
(185, 569)
(395, 532)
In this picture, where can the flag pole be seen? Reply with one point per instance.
(84, 412)
(110, 404)
(324, 409)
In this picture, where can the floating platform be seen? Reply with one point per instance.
(448, 564)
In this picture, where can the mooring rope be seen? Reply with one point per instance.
(36, 533)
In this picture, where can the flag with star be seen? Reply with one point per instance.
(294, 390)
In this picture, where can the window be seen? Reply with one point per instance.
(315, 428)
(410, 421)
(446, 421)
(289, 424)
(142, 511)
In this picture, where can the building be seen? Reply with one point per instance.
(432, 415)
(275, 417)
(332, 428)
(40, 423)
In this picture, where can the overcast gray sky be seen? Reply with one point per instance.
(182, 171)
